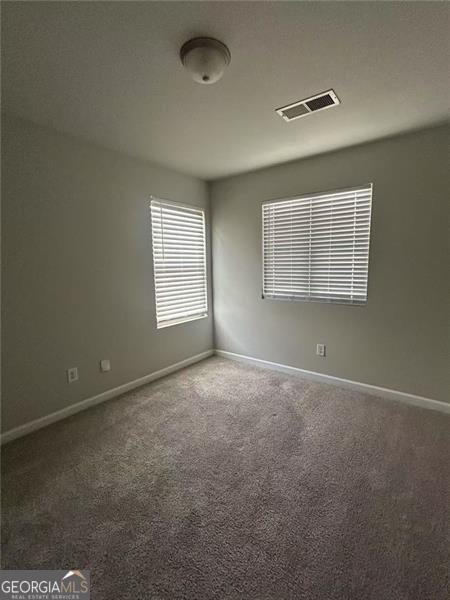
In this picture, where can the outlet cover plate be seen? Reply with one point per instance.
(72, 374)
(320, 349)
(105, 365)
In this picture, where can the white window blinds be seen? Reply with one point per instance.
(316, 247)
(179, 262)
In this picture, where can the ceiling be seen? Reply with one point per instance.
(109, 72)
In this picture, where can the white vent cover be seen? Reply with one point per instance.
(307, 106)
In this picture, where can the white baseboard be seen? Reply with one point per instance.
(22, 430)
(365, 388)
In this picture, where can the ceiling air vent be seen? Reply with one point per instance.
(308, 106)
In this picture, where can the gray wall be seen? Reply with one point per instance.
(77, 270)
(399, 339)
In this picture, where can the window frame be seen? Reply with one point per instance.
(312, 195)
(203, 211)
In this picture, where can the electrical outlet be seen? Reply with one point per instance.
(72, 374)
(320, 349)
(105, 365)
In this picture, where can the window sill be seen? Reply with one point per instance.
(340, 301)
(180, 321)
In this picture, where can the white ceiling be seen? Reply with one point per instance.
(109, 72)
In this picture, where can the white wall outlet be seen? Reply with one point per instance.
(320, 349)
(105, 365)
(72, 374)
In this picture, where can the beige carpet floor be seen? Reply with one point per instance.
(225, 481)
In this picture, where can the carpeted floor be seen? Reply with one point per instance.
(226, 481)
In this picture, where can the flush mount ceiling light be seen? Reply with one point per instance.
(205, 58)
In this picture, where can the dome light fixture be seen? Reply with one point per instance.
(205, 58)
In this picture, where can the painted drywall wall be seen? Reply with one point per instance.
(77, 270)
(398, 340)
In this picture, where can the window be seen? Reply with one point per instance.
(316, 247)
(179, 262)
